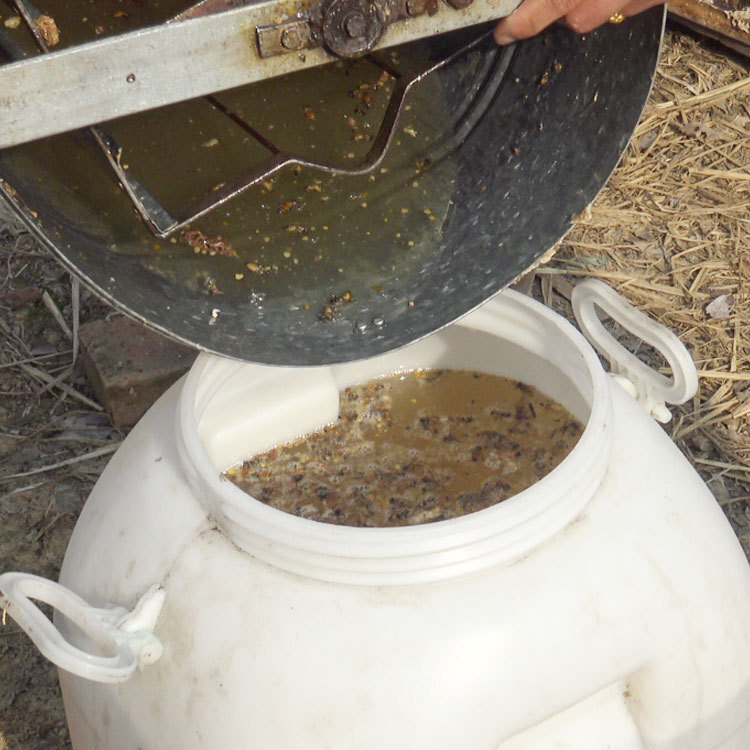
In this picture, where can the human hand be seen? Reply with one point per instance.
(532, 16)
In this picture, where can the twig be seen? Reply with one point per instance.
(75, 294)
(103, 451)
(46, 527)
(719, 375)
(724, 174)
(49, 303)
(706, 96)
(21, 490)
(41, 375)
(730, 500)
(57, 381)
(722, 465)
(627, 278)
(27, 360)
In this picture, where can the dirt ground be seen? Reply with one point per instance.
(55, 439)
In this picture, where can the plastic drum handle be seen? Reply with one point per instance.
(127, 635)
(652, 390)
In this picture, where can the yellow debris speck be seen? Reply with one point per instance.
(239, 276)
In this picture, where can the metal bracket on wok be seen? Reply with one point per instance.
(163, 224)
(213, 46)
(346, 28)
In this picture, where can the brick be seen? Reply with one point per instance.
(129, 366)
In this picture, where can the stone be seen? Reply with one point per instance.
(129, 366)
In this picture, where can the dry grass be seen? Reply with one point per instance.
(671, 232)
(54, 441)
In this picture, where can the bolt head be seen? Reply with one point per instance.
(355, 25)
(292, 38)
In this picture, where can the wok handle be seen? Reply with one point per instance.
(120, 640)
(652, 390)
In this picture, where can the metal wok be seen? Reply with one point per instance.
(519, 143)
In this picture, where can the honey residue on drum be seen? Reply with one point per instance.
(413, 448)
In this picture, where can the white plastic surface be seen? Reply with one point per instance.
(647, 589)
(649, 387)
(222, 401)
(611, 609)
(599, 722)
(127, 636)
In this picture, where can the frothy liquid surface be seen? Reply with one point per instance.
(414, 448)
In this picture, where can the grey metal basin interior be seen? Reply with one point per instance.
(547, 140)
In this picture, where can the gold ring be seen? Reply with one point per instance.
(617, 18)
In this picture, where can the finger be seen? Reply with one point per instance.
(531, 17)
(591, 14)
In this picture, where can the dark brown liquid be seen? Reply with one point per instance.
(414, 448)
